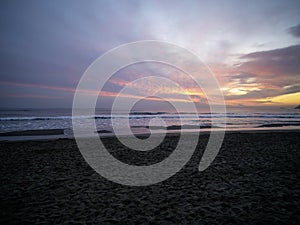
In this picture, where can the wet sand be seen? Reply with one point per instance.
(33, 133)
(255, 179)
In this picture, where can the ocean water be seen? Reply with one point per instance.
(39, 119)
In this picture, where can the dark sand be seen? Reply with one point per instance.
(255, 179)
(33, 132)
(280, 125)
(176, 127)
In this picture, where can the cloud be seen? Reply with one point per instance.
(295, 31)
(274, 72)
(243, 78)
(263, 75)
(134, 72)
(282, 61)
(45, 49)
(260, 94)
(30, 96)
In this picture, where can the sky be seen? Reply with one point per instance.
(252, 47)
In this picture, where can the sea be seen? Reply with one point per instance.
(12, 120)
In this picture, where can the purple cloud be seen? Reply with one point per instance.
(295, 31)
(282, 61)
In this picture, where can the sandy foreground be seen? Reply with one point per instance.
(255, 179)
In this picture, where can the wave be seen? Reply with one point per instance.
(178, 127)
(34, 118)
(279, 124)
(160, 115)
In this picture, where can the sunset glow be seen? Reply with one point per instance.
(253, 49)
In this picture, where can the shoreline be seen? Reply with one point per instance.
(57, 134)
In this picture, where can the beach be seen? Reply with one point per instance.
(255, 179)
(150, 112)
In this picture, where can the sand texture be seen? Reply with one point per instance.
(255, 179)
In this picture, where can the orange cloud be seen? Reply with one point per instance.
(88, 92)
